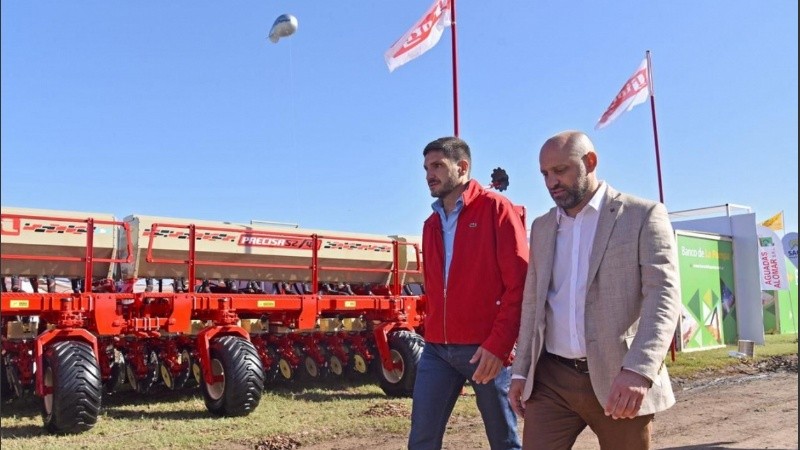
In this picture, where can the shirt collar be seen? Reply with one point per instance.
(438, 205)
(596, 203)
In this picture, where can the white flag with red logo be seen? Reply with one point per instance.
(635, 91)
(421, 37)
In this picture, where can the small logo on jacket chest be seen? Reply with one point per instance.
(473, 224)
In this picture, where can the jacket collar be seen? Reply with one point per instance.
(605, 224)
(473, 190)
(609, 211)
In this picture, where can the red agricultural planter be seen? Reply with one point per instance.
(91, 304)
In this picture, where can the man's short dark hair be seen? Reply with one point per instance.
(453, 148)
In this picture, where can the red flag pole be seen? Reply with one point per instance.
(658, 157)
(454, 52)
(455, 66)
(655, 128)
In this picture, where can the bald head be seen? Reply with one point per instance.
(573, 143)
(568, 161)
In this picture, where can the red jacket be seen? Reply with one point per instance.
(487, 274)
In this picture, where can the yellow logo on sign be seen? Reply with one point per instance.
(19, 304)
(350, 304)
(266, 303)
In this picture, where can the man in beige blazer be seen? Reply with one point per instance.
(600, 307)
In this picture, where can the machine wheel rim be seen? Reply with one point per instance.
(132, 377)
(48, 383)
(336, 365)
(167, 376)
(187, 365)
(395, 375)
(197, 371)
(312, 368)
(216, 390)
(360, 364)
(285, 369)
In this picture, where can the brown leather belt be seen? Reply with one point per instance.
(580, 364)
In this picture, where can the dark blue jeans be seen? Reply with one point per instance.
(442, 372)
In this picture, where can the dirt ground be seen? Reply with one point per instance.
(748, 406)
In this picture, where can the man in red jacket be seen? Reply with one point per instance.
(476, 256)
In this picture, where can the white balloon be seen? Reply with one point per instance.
(285, 25)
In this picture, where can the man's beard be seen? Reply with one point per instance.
(444, 188)
(574, 194)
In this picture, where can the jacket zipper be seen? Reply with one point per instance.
(446, 279)
(445, 315)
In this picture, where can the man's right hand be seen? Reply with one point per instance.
(515, 397)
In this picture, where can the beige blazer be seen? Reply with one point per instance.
(632, 299)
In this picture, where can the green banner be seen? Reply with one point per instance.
(707, 291)
(770, 312)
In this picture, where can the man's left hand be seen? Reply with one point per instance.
(488, 366)
(627, 392)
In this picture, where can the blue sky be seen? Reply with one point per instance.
(186, 110)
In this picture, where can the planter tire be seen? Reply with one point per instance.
(72, 375)
(405, 348)
(242, 383)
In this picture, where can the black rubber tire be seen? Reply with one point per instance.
(406, 348)
(185, 376)
(288, 373)
(238, 394)
(6, 393)
(357, 367)
(71, 370)
(311, 370)
(150, 378)
(116, 379)
(300, 373)
(324, 368)
(179, 380)
(272, 372)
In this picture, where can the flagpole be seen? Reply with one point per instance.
(658, 158)
(455, 66)
(655, 128)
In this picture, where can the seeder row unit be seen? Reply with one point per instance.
(91, 303)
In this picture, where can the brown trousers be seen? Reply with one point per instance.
(563, 404)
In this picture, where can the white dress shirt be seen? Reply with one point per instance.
(566, 296)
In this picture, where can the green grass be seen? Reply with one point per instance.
(320, 413)
(691, 364)
(166, 419)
